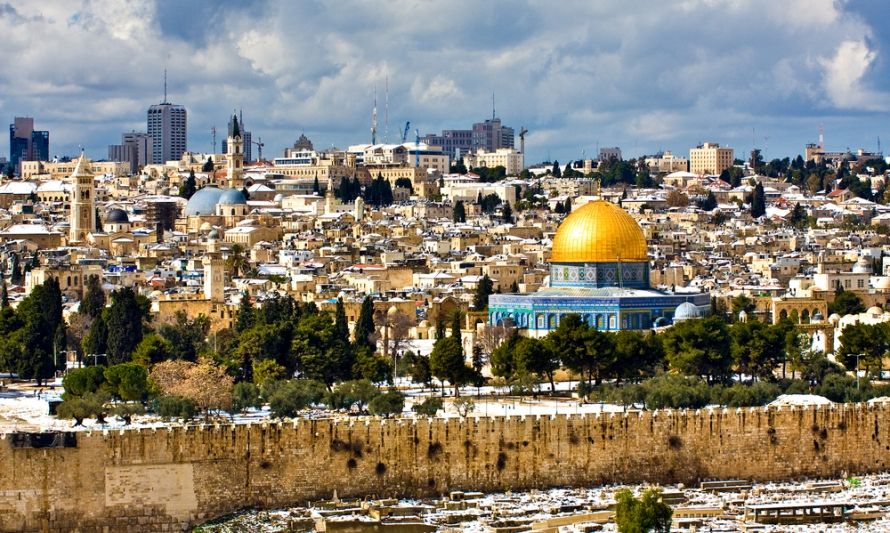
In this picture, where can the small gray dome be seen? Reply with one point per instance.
(203, 202)
(686, 311)
(117, 216)
(231, 197)
(214, 234)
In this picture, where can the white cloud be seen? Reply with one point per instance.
(843, 77)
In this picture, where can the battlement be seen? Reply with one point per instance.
(184, 474)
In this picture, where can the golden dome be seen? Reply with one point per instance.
(599, 232)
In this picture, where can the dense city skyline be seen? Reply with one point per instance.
(644, 77)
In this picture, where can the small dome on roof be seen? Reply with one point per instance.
(214, 234)
(203, 202)
(205, 227)
(686, 311)
(117, 216)
(862, 266)
(875, 310)
(834, 318)
(232, 197)
(278, 198)
(817, 317)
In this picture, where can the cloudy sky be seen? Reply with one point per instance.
(642, 75)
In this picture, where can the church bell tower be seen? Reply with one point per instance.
(83, 201)
(235, 155)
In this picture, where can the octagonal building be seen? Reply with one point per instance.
(599, 269)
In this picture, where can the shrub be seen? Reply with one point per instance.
(245, 395)
(169, 407)
(428, 407)
(388, 403)
(357, 393)
(91, 404)
(464, 406)
(740, 395)
(676, 392)
(289, 397)
(648, 512)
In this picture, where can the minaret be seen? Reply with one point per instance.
(235, 156)
(83, 201)
(214, 278)
(330, 201)
(359, 210)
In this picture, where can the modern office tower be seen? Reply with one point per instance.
(167, 125)
(135, 148)
(26, 144)
(489, 135)
(246, 138)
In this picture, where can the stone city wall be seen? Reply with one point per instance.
(170, 478)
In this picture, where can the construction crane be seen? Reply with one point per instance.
(417, 148)
(522, 132)
(405, 133)
(259, 148)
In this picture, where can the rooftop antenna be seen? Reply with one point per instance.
(879, 145)
(165, 86)
(374, 119)
(821, 136)
(213, 142)
(493, 115)
(386, 110)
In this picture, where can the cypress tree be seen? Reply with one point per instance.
(4, 296)
(364, 326)
(341, 325)
(246, 314)
(455, 325)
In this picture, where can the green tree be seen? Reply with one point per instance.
(189, 187)
(757, 349)
(742, 303)
(484, 289)
(81, 381)
(846, 303)
(507, 212)
(644, 514)
(758, 201)
(355, 393)
(93, 302)
(447, 363)
(237, 262)
(364, 326)
(15, 275)
(187, 336)
(638, 354)
(124, 325)
(428, 407)
(459, 213)
(700, 347)
(291, 396)
(245, 395)
(152, 349)
(208, 165)
(568, 341)
(870, 342)
(96, 340)
(319, 353)
(389, 403)
(266, 370)
(245, 319)
(534, 356)
(127, 381)
(556, 170)
(341, 324)
(798, 217)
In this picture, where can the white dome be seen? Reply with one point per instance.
(875, 310)
(834, 318)
(686, 311)
(862, 266)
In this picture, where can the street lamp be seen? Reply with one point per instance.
(857, 369)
